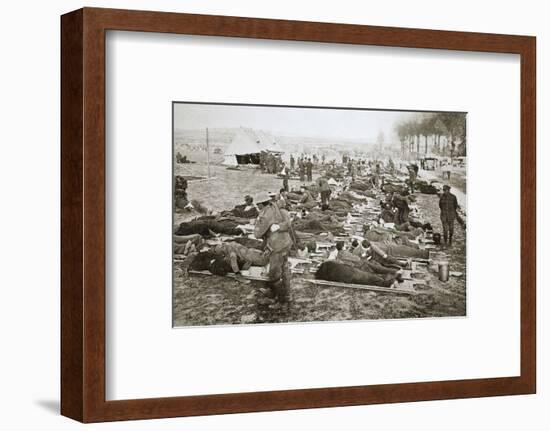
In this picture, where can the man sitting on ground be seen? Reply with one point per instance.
(307, 200)
(345, 256)
(283, 198)
(380, 234)
(386, 215)
(388, 252)
(241, 257)
(246, 210)
(354, 245)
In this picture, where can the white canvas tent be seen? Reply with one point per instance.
(246, 146)
(243, 149)
(229, 160)
(268, 142)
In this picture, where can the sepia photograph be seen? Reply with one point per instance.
(288, 214)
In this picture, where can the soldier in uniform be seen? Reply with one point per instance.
(325, 190)
(302, 169)
(307, 201)
(269, 163)
(273, 225)
(401, 202)
(286, 175)
(263, 161)
(180, 192)
(413, 174)
(309, 170)
(448, 206)
(240, 256)
(247, 210)
(273, 167)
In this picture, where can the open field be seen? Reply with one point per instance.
(227, 188)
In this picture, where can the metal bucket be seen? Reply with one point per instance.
(435, 258)
(443, 269)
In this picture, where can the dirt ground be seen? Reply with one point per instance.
(207, 300)
(226, 188)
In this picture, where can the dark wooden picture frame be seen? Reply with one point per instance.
(83, 214)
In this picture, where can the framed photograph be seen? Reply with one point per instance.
(267, 215)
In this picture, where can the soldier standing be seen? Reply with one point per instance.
(448, 206)
(272, 164)
(286, 175)
(325, 190)
(273, 225)
(302, 169)
(309, 170)
(415, 176)
(401, 202)
(262, 161)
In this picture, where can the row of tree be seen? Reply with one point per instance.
(445, 132)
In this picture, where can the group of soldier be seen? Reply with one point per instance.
(182, 159)
(274, 226)
(270, 163)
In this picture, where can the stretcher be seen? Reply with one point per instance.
(405, 288)
(239, 277)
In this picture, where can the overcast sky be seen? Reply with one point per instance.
(327, 123)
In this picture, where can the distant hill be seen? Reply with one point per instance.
(192, 143)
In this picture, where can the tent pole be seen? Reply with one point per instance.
(207, 153)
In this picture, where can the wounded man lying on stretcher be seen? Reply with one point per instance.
(208, 226)
(343, 273)
(228, 257)
(388, 250)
